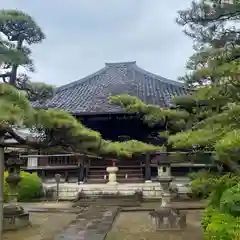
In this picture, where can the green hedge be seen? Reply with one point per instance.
(30, 187)
(220, 226)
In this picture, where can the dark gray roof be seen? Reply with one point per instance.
(91, 94)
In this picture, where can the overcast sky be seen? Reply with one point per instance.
(84, 34)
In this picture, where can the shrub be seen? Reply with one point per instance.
(220, 220)
(30, 187)
(206, 185)
(201, 183)
(207, 217)
(221, 227)
(230, 201)
(223, 183)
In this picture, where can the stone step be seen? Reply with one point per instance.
(129, 169)
(121, 171)
(119, 166)
(121, 174)
(129, 166)
(130, 180)
(97, 172)
(129, 173)
(118, 202)
(111, 197)
(96, 180)
(120, 180)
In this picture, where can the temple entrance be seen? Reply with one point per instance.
(118, 127)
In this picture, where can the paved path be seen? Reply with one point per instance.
(47, 205)
(91, 224)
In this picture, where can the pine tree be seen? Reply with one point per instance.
(57, 130)
(216, 105)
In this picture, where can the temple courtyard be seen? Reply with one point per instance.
(103, 220)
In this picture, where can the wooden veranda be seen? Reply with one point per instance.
(92, 169)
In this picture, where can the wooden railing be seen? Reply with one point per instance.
(62, 160)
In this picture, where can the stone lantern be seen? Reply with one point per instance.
(13, 164)
(14, 215)
(112, 173)
(166, 217)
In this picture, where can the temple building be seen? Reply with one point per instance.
(88, 100)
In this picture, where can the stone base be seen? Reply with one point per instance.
(112, 183)
(112, 176)
(165, 219)
(14, 222)
(148, 181)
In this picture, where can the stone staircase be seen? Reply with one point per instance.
(127, 173)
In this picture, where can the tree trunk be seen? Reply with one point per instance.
(13, 76)
(233, 166)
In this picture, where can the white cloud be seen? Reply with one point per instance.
(83, 35)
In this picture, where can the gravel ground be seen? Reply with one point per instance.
(138, 226)
(43, 226)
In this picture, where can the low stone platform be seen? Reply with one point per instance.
(152, 190)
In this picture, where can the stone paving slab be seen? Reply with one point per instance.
(91, 224)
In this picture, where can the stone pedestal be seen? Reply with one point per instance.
(166, 195)
(167, 218)
(14, 217)
(166, 200)
(112, 175)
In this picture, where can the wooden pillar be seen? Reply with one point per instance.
(147, 168)
(43, 175)
(88, 165)
(66, 175)
(81, 169)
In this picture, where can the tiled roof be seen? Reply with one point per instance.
(91, 94)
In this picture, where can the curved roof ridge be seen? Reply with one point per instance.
(82, 80)
(120, 64)
(158, 77)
